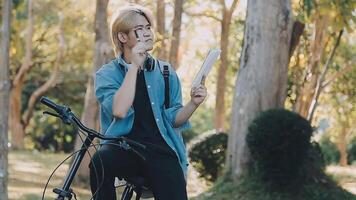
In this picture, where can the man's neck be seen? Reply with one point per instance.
(127, 55)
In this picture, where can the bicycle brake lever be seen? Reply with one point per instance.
(64, 119)
(51, 113)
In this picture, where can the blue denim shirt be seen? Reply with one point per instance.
(109, 79)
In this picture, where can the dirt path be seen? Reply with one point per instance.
(346, 176)
(29, 172)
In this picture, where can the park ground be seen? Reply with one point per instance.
(29, 172)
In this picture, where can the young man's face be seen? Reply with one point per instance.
(141, 32)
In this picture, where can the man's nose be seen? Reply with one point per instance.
(146, 33)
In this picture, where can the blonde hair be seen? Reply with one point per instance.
(122, 21)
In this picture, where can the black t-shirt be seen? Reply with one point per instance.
(144, 128)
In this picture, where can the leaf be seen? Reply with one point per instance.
(308, 5)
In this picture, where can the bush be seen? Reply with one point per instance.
(279, 143)
(208, 155)
(351, 152)
(330, 152)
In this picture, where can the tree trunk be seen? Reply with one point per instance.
(16, 127)
(307, 91)
(4, 95)
(219, 116)
(102, 54)
(177, 21)
(262, 79)
(52, 81)
(318, 87)
(341, 145)
(161, 49)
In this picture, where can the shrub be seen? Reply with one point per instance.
(279, 143)
(208, 155)
(351, 152)
(330, 152)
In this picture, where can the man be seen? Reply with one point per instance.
(131, 93)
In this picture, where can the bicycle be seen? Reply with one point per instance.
(133, 184)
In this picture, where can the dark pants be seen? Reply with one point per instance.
(161, 170)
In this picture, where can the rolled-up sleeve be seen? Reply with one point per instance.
(105, 89)
(175, 103)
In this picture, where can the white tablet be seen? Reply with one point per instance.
(208, 63)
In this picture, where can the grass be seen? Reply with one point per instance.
(29, 172)
(249, 188)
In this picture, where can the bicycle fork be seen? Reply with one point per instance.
(66, 191)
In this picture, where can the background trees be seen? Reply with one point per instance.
(60, 44)
(103, 53)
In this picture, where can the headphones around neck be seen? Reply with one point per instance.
(149, 63)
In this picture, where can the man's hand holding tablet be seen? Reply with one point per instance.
(209, 61)
(199, 91)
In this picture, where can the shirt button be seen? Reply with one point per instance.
(153, 103)
(148, 86)
(157, 120)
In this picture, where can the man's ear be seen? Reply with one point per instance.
(122, 37)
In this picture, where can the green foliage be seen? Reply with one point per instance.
(315, 164)
(308, 6)
(279, 142)
(339, 12)
(208, 155)
(201, 121)
(351, 152)
(52, 135)
(250, 187)
(74, 68)
(330, 152)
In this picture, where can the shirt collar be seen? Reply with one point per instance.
(122, 62)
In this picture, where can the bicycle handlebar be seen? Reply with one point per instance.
(59, 109)
(67, 116)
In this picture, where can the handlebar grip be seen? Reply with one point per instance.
(51, 104)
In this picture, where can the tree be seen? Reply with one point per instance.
(177, 21)
(319, 84)
(261, 82)
(161, 32)
(52, 81)
(102, 54)
(228, 8)
(324, 17)
(219, 116)
(4, 95)
(18, 120)
(337, 102)
(16, 126)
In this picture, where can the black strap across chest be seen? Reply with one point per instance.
(166, 84)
